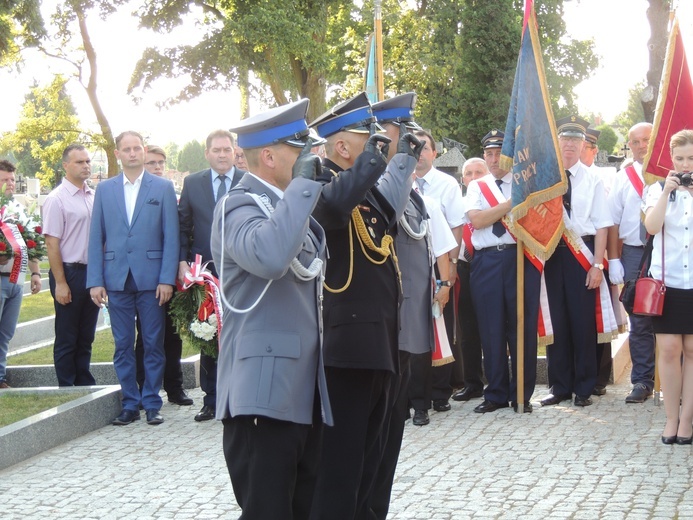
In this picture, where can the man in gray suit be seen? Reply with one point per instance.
(269, 252)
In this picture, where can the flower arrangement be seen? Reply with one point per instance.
(194, 312)
(29, 226)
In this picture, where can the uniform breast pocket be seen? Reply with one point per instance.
(266, 368)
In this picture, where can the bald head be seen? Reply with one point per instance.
(639, 139)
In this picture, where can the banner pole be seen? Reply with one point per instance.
(520, 361)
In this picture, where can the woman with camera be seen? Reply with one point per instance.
(669, 209)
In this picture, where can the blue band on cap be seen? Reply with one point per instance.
(392, 114)
(335, 125)
(271, 135)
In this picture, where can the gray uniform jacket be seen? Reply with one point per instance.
(270, 361)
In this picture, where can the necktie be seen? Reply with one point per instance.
(420, 184)
(221, 189)
(498, 227)
(644, 235)
(567, 196)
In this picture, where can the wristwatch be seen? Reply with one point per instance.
(599, 266)
(445, 283)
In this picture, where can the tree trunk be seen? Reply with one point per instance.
(109, 142)
(244, 88)
(658, 16)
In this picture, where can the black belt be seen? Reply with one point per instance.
(633, 247)
(74, 265)
(587, 239)
(499, 247)
(6, 275)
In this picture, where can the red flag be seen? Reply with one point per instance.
(674, 108)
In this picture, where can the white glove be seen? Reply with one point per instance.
(616, 271)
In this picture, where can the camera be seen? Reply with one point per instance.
(685, 178)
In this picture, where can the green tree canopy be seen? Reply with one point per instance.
(192, 157)
(634, 113)
(607, 139)
(48, 123)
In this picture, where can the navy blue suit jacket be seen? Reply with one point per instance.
(195, 212)
(148, 247)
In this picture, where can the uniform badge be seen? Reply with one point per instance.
(374, 220)
(370, 230)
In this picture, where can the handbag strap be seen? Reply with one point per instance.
(663, 236)
(646, 258)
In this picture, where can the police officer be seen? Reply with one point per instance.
(271, 392)
(362, 293)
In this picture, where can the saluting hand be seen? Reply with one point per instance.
(379, 145)
(410, 145)
(307, 164)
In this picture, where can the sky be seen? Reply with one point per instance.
(619, 28)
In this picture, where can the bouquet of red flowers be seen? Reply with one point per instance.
(194, 309)
(29, 225)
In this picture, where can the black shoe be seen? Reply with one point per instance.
(207, 413)
(154, 417)
(669, 440)
(180, 398)
(527, 407)
(441, 405)
(551, 399)
(599, 390)
(583, 400)
(420, 418)
(126, 417)
(467, 393)
(489, 406)
(639, 394)
(684, 440)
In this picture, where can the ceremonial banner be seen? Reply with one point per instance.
(371, 86)
(674, 110)
(530, 151)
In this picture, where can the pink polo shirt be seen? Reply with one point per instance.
(67, 216)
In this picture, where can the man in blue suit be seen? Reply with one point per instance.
(133, 262)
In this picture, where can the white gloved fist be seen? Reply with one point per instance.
(616, 271)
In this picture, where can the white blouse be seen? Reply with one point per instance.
(678, 239)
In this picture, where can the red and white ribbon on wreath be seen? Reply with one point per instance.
(20, 258)
(200, 275)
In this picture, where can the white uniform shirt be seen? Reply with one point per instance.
(442, 239)
(482, 238)
(444, 188)
(678, 242)
(625, 206)
(589, 211)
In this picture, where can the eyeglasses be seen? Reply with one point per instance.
(151, 164)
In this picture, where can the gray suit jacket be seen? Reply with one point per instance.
(270, 361)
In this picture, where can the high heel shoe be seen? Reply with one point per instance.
(669, 440)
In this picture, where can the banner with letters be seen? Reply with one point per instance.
(530, 151)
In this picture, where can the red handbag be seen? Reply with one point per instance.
(649, 293)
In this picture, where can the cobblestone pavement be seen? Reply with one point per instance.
(601, 462)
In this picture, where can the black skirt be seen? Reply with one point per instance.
(677, 316)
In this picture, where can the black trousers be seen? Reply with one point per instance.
(208, 379)
(353, 447)
(272, 465)
(420, 381)
(75, 325)
(470, 341)
(393, 433)
(173, 349)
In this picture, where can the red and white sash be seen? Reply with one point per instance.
(494, 196)
(607, 327)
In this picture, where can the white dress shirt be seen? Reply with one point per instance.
(475, 200)
(625, 206)
(442, 239)
(589, 210)
(131, 190)
(678, 239)
(444, 188)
